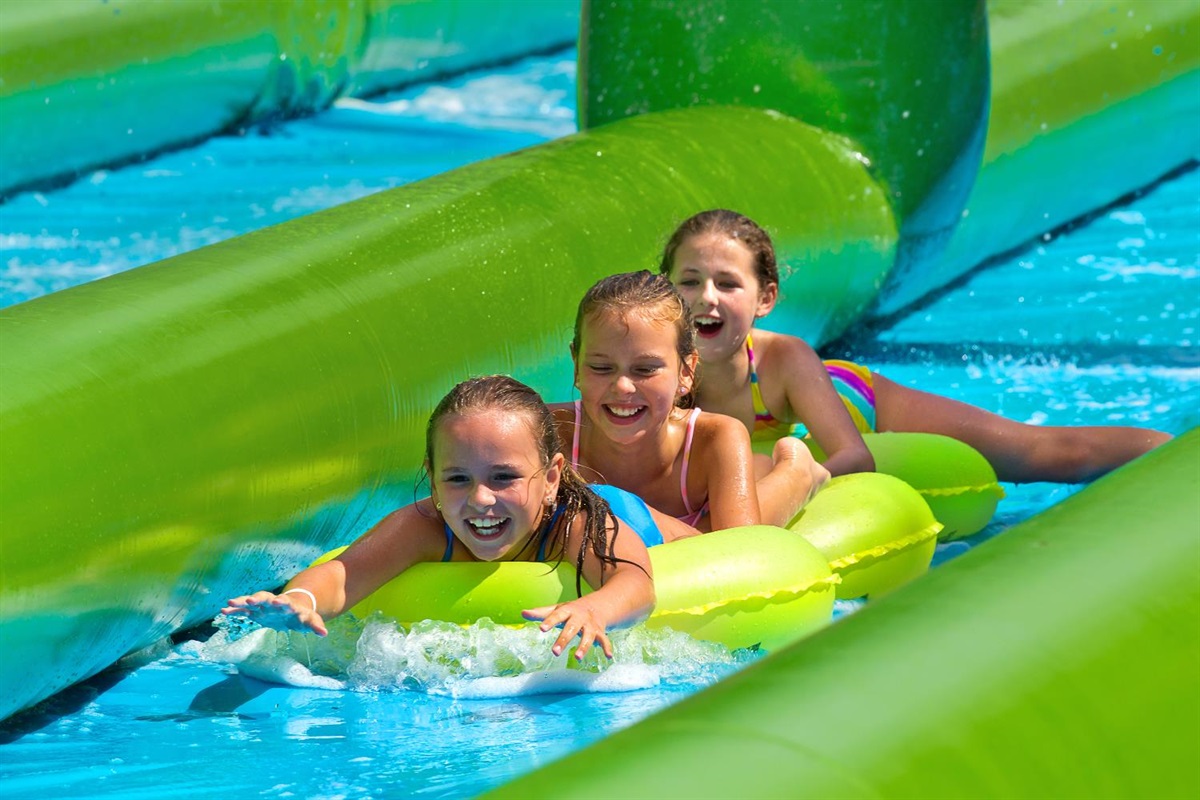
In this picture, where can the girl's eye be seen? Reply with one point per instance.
(688, 282)
(600, 369)
(647, 371)
(456, 479)
(506, 477)
(729, 285)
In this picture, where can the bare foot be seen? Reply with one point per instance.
(794, 453)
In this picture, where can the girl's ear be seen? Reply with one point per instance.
(432, 485)
(767, 297)
(553, 476)
(687, 372)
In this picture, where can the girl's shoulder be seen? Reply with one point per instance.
(408, 535)
(417, 520)
(783, 356)
(719, 429)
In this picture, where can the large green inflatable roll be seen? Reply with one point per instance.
(1058, 660)
(908, 86)
(86, 83)
(1090, 100)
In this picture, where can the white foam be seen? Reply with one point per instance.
(287, 671)
(483, 660)
(621, 678)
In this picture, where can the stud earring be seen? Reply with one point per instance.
(438, 506)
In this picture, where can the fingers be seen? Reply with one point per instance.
(277, 612)
(535, 614)
(575, 621)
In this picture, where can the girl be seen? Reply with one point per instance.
(724, 265)
(635, 365)
(500, 491)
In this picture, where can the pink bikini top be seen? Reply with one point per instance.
(692, 516)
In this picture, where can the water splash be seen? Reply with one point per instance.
(483, 660)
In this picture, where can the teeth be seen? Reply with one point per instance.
(705, 322)
(624, 412)
(488, 522)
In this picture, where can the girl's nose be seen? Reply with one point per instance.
(481, 497)
(709, 295)
(625, 384)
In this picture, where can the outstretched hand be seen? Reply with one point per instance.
(282, 612)
(576, 618)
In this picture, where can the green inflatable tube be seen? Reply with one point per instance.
(957, 483)
(876, 531)
(1057, 660)
(90, 82)
(743, 587)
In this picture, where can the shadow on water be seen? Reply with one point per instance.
(69, 701)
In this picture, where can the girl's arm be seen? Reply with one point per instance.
(624, 593)
(812, 399)
(721, 452)
(401, 539)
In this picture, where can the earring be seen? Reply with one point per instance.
(683, 390)
(438, 506)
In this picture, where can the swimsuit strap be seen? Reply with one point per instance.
(575, 436)
(541, 553)
(687, 455)
(761, 414)
(449, 541)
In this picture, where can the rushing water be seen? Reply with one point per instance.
(1096, 326)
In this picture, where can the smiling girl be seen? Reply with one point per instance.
(723, 263)
(500, 491)
(633, 427)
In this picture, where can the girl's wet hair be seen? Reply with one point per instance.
(502, 393)
(735, 226)
(652, 296)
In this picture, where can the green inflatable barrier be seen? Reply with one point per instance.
(1057, 660)
(86, 83)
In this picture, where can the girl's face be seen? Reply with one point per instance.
(629, 373)
(488, 476)
(715, 274)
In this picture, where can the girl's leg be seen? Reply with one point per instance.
(788, 481)
(1019, 453)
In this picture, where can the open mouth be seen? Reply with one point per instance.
(708, 327)
(623, 415)
(487, 528)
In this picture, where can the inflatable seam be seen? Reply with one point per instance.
(988, 488)
(780, 595)
(880, 551)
